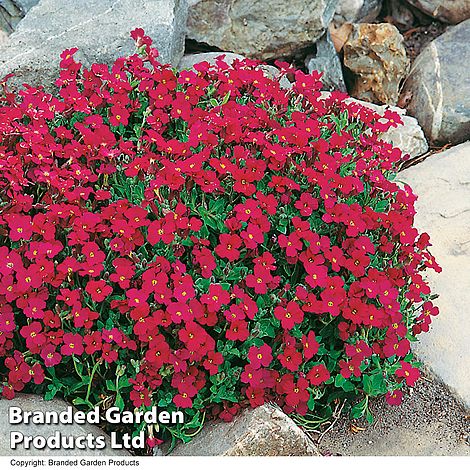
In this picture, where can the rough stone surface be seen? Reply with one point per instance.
(12, 12)
(401, 14)
(3, 38)
(264, 29)
(442, 184)
(326, 60)
(188, 61)
(453, 11)
(376, 56)
(357, 11)
(263, 431)
(36, 403)
(439, 87)
(99, 28)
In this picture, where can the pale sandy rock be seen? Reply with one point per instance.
(263, 431)
(442, 184)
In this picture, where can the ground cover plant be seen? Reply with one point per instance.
(204, 240)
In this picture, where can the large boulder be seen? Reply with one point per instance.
(376, 57)
(12, 12)
(442, 184)
(99, 28)
(326, 60)
(357, 11)
(29, 403)
(439, 87)
(453, 11)
(262, 29)
(263, 431)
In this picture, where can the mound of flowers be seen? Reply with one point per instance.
(204, 241)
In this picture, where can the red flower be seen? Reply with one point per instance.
(21, 227)
(310, 344)
(260, 356)
(98, 290)
(213, 361)
(394, 398)
(50, 356)
(182, 400)
(318, 374)
(228, 246)
(290, 243)
(73, 345)
(161, 230)
(306, 204)
(408, 372)
(256, 396)
(289, 316)
(290, 359)
(237, 331)
(216, 297)
(296, 392)
(140, 396)
(259, 280)
(351, 367)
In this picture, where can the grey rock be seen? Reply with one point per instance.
(453, 11)
(376, 56)
(326, 60)
(99, 28)
(12, 12)
(438, 87)
(357, 11)
(262, 29)
(263, 431)
(442, 184)
(401, 14)
(36, 403)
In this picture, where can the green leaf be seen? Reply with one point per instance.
(346, 385)
(119, 402)
(374, 385)
(80, 401)
(311, 403)
(226, 98)
(358, 410)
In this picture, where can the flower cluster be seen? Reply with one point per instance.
(204, 240)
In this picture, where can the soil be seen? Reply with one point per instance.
(419, 37)
(429, 422)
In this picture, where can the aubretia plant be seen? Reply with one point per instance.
(204, 240)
